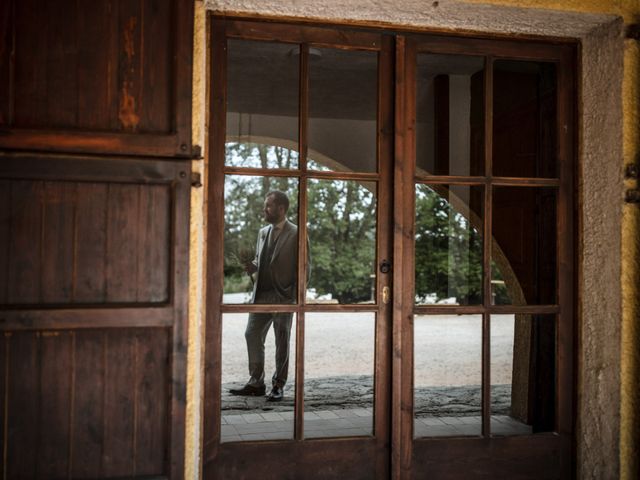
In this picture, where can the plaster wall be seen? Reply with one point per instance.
(605, 438)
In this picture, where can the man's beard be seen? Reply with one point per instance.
(271, 218)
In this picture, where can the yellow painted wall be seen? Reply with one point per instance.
(629, 10)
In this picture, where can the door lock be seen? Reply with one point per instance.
(385, 266)
(386, 295)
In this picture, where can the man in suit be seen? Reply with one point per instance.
(275, 271)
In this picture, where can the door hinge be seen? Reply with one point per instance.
(196, 179)
(633, 31)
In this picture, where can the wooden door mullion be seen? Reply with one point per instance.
(486, 246)
(303, 122)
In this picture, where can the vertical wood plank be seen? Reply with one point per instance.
(179, 331)
(122, 230)
(22, 412)
(31, 52)
(157, 40)
(130, 25)
(119, 402)
(382, 402)
(58, 239)
(6, 67)
(88, 417)
(25, 243)
(566, 262)
(154, 244)
(62, 100)
(92, 24)
(55, 403)
(403, 268)
(5, 236)
(5, 349)
(152, 401)
(113, 85)
(91, 243)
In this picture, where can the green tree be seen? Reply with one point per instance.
(342, 231)
(342, 226)
(448, 250)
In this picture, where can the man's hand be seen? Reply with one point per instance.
(250, 268)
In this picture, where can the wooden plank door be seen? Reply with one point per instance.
(93, 277)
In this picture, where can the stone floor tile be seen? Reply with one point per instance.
(277, 436)
(346, 413)
(432, 421)
(326, 414)
(470, 420)
(363, 412)
(252, 418)
(235, 419)
(257, 428)
(228, 430)
(451, 420)
(272, 417)
(469, 430)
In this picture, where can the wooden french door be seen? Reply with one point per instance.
(483, 178)
(307, 112)
(429, 179)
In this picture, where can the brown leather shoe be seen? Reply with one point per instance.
(248, 391)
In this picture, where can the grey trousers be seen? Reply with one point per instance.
(255, 335)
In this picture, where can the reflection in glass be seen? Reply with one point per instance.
(339, 366)
(524, 119)
(450, 115)
(262, 104)
(448, 245)
(246, 233)
(524, 246)
(447, 375)
(246, 418)
(342, 241)
(523, 374)
(343, 103)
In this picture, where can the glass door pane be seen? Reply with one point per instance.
(448, 244)
(341, 225)
(343, 110)
(262, 104)
(450, 115)
(339, 368)
(447, 375)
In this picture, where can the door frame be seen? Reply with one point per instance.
(400, 354)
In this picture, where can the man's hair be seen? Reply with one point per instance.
(279, 198)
